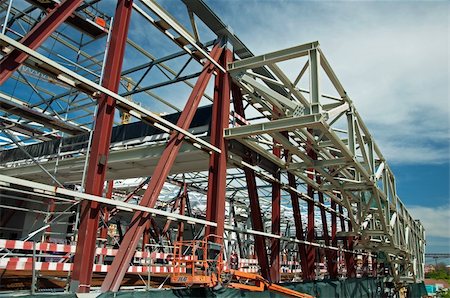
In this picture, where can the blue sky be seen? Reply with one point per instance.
(393, 59)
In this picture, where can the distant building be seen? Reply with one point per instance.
(429, 268)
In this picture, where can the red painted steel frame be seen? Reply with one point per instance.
(333, 270)
(182, 210)
(298, 225)
(348, 244)
(37, 36)
(104, 228)
(146, 234)
(169, 221)
(95, 179)
(128, 246)
(275, 274)
(326, 235)
(349, 256)
(255, 210)
(311, 250)
(215, 206)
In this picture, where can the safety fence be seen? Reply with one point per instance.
(59, 257)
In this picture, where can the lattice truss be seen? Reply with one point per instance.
(298, 129)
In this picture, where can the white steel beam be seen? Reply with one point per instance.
(53, 190)
(77, 81)
(273, 57)
(285, 124)
(161, 13)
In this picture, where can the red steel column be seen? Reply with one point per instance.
(349, 256)
(275, 268)
(37, 36)
(169, 221)
(333, 270)
(128, 246)
(257, 223)
(104, 229)
(182, 209)
(344, 241)
(215, 205)
(374, 266)
(146, 235)
(87, 231)
(326, 235)
(298, 225)
(255, 209)
(311, 250)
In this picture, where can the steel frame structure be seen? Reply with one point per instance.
(277, 172)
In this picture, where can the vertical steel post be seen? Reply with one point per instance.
(8, 11)
(146, 235)
(87, 231)
(215, 205)
(128, 246)
(326, 235)
(374, 266)
(182, 210)
(333, 270)
(310, 235)
(104, 228)
(238, 237)
(275, 273)
(10, 62)
(255, 209)
(298, 225)
(349, 256)
(33, 270)
(104, 222)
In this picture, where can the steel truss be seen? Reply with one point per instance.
(291, 173)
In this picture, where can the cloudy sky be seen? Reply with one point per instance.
(393, 60)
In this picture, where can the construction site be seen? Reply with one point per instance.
(184, 165)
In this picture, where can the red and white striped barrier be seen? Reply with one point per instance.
(60, 248)
(24, 263)
(240, 118)
(11, 264)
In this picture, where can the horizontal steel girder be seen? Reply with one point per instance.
(285, 124)
(18, 107)
(273, 57)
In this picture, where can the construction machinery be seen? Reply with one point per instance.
(200, 263)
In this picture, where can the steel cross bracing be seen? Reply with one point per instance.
(299, 141)
(348, 161)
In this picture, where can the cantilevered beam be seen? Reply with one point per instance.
(285, 124)
(271, 58)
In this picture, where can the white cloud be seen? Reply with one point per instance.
(392, 58)
(436, 220)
